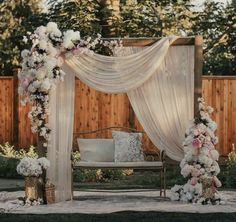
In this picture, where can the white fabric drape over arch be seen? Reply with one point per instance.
(159, 81)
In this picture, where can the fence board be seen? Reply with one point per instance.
(6, 109)
(94, 110)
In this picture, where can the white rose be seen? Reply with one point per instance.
(51, 27)
(31, 88)
(36, 84)
(43, 44)
(25, 53)
(41, 30)
(214, 154)
(41, 73)
(46, 85)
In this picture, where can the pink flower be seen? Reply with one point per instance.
(194, 181)
(77, 51)
(197, 143)
(25, 82)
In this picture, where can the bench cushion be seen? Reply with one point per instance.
(133, 165)
(96, 150)
(128, 147)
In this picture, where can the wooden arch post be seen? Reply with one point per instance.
(198, 65)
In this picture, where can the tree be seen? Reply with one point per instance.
(217, 25)
(110, 15)
(155, 18)
(82, 15)
(17, 17)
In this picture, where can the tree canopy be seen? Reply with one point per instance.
(124, 18)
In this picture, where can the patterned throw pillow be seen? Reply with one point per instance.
(128, 146)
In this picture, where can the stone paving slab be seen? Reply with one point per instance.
(109, 201)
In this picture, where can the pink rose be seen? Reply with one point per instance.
(77, 51)
(197, 143)
(194, 181)
(25, 82)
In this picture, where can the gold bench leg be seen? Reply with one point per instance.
(164, 180)
(161, 183)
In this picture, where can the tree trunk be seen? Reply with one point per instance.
(110, 12)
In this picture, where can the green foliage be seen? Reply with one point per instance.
(16, 18)
(98, 175)
(231, 169)
(8, 167)
(76, 15)
(8, 151)
(137, 18)
(217, 25)
(155, 18)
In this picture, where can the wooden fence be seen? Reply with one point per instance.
(94, 110)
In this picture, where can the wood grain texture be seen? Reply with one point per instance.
(6, 109)
(220, 93)
(95, 110)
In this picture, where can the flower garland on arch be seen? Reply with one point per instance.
(199, 164)
(41, 67)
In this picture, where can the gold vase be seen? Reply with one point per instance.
(32, 187)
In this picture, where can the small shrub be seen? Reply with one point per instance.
(9, 158)
(231, 169)
(8, 151)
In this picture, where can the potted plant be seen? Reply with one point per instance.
(32, 169)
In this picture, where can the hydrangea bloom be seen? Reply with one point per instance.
(32, 167)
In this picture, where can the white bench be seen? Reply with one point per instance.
(144, 165)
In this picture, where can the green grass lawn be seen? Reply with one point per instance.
(125, 216)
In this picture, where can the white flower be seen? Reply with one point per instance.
(176, 188)
(41, 31)
(46, 85)
(31, 88)
(210, 109)
(44, 162)
(214, 154)
(198, 188)
(51, 64)
(51, 27)
(174, 196)
(69, 38)
(43, 44)
(53, 52)
(25, 53)
(41, 73)
(186, 170)
(25, 39)
(212, 125)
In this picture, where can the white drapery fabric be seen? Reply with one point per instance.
(61, 120)
(121, 73)
(159, 83)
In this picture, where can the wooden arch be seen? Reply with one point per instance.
(197, 41)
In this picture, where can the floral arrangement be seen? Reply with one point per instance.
(27, 202)
(32, 167)
(199, 164)
(41, 67)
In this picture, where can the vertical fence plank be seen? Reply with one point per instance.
(6, 109)
(94, 110)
